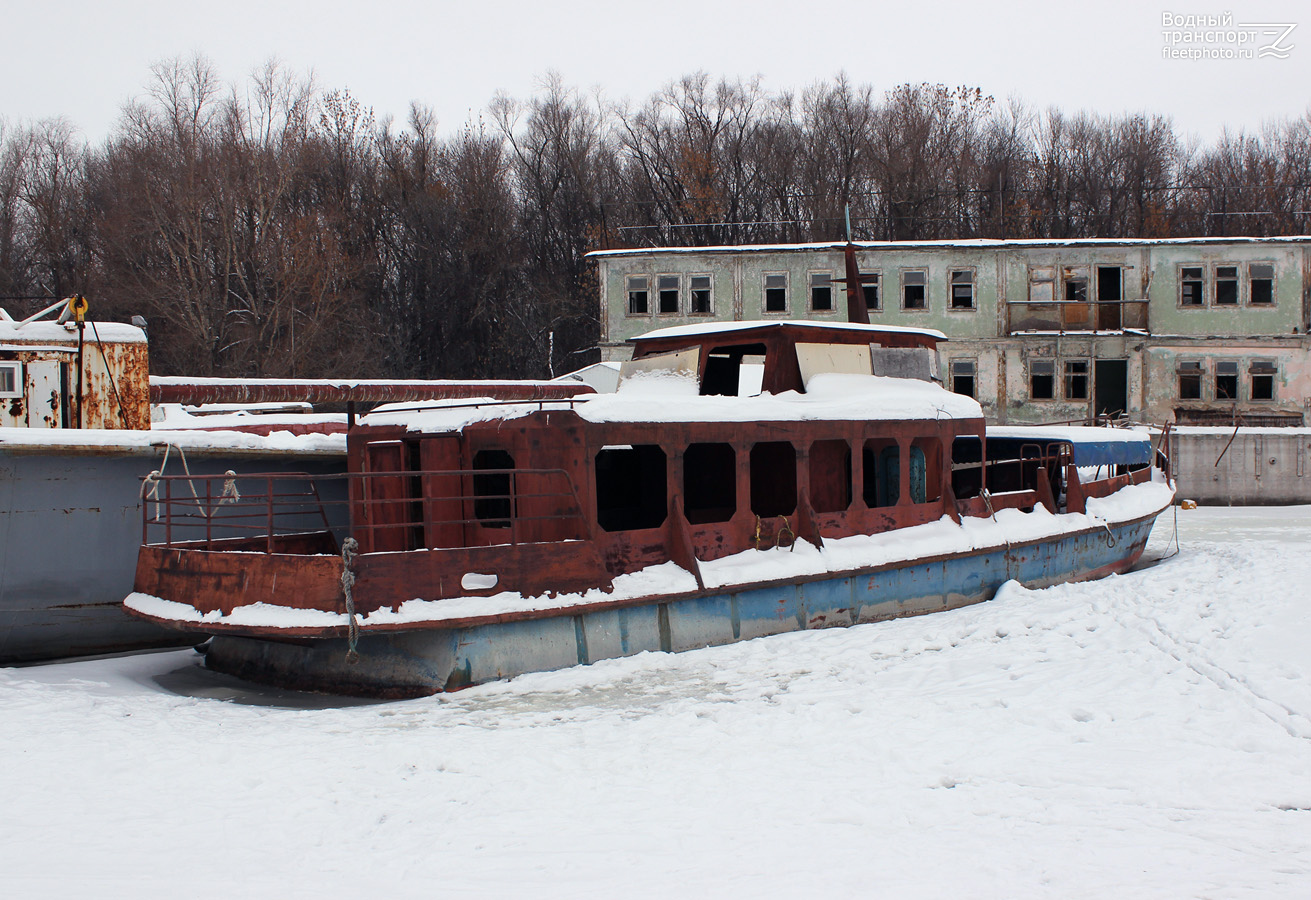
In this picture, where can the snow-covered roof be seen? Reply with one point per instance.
(708, 328)
(974, 243)
(660, 397)
(65, 335)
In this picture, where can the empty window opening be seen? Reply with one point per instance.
(709, 483)
(638, 296)
(734, 371)
(1190, 380)
(869, 287)
(880, 462)
(962, 289)
(913, 289)
(776, 292)
(631, 487)
(493, 503)
(1226, 285)
(1076, 379)
(701, 296)
(1263, 373)
(830, 476)
(1226, 380)
(667, 286)
(962, 377)
(1190, 286)
(773, 479)
(1261, 284)
(1042, 379)
(821, 291)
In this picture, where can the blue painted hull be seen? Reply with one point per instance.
(423, 661)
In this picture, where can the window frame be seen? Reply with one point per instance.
(692, 291)
(1251, 280)
(765, 289)
(1236, 281)
(923, 272)
(1068, 376)
(1046, 362)
(961, 362)
(1190, 368)
(877, 285)
(1075, 275)
(629, 291)
(972, 272)
(16, 367)
(661, 290)
(811, 287)
(1263, 369)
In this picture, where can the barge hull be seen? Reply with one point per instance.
(419, 662)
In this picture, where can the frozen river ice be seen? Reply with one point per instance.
(1148, 735)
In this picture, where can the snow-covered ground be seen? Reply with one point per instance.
(1144, 736)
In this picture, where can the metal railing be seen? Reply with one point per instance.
(1067, 315)
(296, 512)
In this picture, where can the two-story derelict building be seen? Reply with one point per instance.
(1191, 331)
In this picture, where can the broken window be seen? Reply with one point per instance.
(1190, 286)
(881, 465)
(869, 286)
(962, 289)
(11, 379)
(821, 291)
(1190, 380)
(734, 371)
(493, 501)
(1226, 285)
(1226, 380)
(1263, 373)
(638, 296)
(776, 292)
(667, 293)
(830, 475)
(914, 283)
(702, 300)
(709, 483)
(1076, 284)
(631, 487)
(1261, 284)
(1042, 284)
(773, 479)
(962, 376)
(1042, 379)
(1076, 379)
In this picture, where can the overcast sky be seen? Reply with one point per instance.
(83, 60)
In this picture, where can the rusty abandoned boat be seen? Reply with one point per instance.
(745, 479)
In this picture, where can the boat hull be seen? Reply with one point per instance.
(424, 661)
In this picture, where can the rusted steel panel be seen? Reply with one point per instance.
(224, 580)
(212, 390)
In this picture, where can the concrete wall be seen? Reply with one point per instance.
(1252, 467)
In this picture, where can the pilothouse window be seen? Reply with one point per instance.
(492, 501)
(709, 483)
(735, 371)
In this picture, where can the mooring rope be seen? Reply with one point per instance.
(349, 550)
